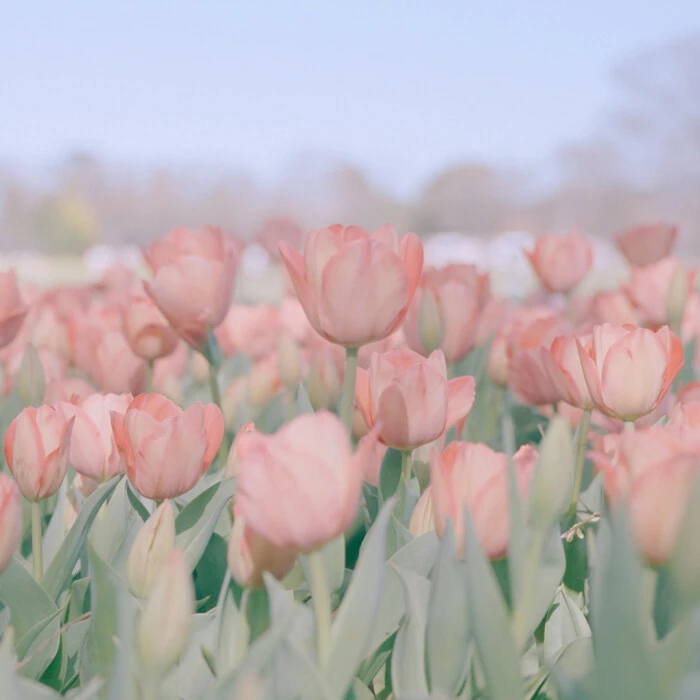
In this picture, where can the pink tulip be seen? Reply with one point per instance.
(115, 367)
(448, 299)
(146, 330)
(629, 370)
(300, 487)
(13, 309)
(651, 471)
(474, 476)
(232, 459)
(689, 393)
(251, 330)
(651, 286)
(193, 283)
(561, 262)
(93, 449)
(49, 331)
(644, 245)
(165, 448)
(615, 307)
(493, 316)
(69, 389)
(250, 555)
(410, 397)
(280, 229)
(10, 520)
(37, 444)
(355, 287)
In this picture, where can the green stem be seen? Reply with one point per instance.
(347, 404)
(322, 606)
(216, 398)
(149, 377)
(523, 605)
(243, 629)
(495, 410)
(583, 428)
(406, 465)
(629, 426)
(37, 555)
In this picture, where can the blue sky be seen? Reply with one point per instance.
(399, 87)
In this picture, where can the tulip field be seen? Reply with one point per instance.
(389, 483)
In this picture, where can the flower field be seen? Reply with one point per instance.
(392, 482)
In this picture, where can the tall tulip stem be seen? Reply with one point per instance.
(37, 554)
(347, 404)
(216, 398)
(149, 376)
(322, 606)
(583, 428)
(406, 465)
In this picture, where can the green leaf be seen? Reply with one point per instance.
(408, 658)
(110, 530)
(687, 373)
(303, 401)
(389, 475)
(295, 676)
(355, 619)
(196, 522)
(490, 623)
(62, 565)
(35, 619)
(136, 502)
(621, 627)
(359, 691)
(333, 555)
(210, 572)
(111, 605)
(447, 630)
(228, 620)
(371, 502)
(565, 625)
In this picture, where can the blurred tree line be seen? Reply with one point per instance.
(641, 163)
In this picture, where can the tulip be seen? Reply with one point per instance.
(69, 389)
(115, 367)
(10, 520)
(163, 629)
(422, 519)
(250, 330)
(232, 459)
(498, 363)
(165, 448)
(324, 383)
(37, 445)
(644, 245)
(289, 362)
(615, 307)
(151, 550)
(474, 476)
(653, 287)
(629, 370)
(30, 383)
(276, 230)
(561, 262)
(445, 311)
(93, 450)
(13, 310)
(355, 287)
(50, 331)
(493, 315)
(250, 555)
(193, 283)
(146, 329)
(411, 398)
(301, 487)
(652, 472)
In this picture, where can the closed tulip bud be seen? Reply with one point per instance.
(30, 383)
(10, 519)
(678, 292)
(199, 368)
(422, 520)
(324, 385)
(431, 328)
(164, 625)
(151, 549)
(553, 480)
(250, 555)
(288, 361)
(232, 459)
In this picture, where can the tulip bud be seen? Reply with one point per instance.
(430, 323)
(249, 555)
(323, 384)
(10, 519)
(232, 459)
(263, 382)
(31, 384)
(685, 563)
(164, 625)
(498, 360)
(288, 361)
(151, 549)
(677, 298)
(553, 480)
(199, 367)
(422, 516)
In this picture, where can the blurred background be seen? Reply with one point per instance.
(119, 121)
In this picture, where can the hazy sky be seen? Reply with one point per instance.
(400, 87)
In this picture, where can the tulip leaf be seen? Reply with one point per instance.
(359, 691)
(115, 529)
(196, 522)
(230, 634)
(34, 619)
(565, 625)
(389, 475)
(112, 607)
(303, 401)
(333, 555)
(136, 502)
(295, 676)
(490, 623)
(61, 567)
(687, 372)
(447, 629)
(621, 628)
(356, 617)
(408, 657)
(371, 502)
